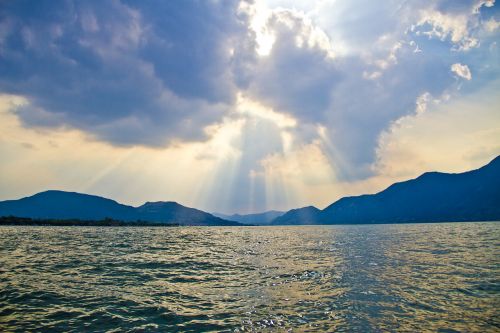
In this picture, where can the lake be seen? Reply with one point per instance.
(360, 278)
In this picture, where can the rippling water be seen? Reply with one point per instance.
(401, 278)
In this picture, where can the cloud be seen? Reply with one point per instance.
(491, 25)
(447, 26)
(298, 74)
(364, 76)
(481, 3)
(460, 23)
(148, 74)
(355, 97)
(461, 70)
(289, 80)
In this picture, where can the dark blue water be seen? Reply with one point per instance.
(382, 278)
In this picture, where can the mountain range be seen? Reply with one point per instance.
(432, 197)
(256, 219)
(70, 205)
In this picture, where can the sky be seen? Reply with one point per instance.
(244, 106)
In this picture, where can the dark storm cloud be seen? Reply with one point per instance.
(362, 108)
(130, 73)
(294, 79)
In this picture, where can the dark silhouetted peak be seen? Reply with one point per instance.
(304, 215)
(254, 219)
(494, 163)
(159, 205)
(71, 205)
(432, 197)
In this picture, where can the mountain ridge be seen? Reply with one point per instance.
(55, 204)
(263, 218)
(472, 195)
(431, 197)
(307, 215)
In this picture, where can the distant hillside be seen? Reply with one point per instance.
(305, 215)
(432, 197)
(172, 212)
(62, 205)
(255, 219)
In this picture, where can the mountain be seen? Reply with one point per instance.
(305, 215)
(70, 205)
(65, 205)
(432, 197)
(256, 219)
(172, 212)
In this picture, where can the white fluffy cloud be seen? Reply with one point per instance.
(461, 70)
(455, 27)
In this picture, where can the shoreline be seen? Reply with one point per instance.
(26, 221)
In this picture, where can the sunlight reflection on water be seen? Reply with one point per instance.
(378, 278)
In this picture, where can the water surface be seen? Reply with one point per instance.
(366, 278)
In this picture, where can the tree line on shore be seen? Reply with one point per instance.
(107, 222)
